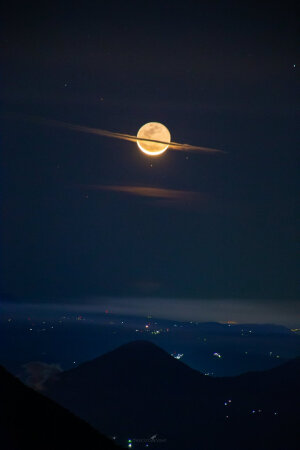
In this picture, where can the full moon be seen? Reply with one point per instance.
(157, 132)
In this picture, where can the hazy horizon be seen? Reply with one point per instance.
(199, 310)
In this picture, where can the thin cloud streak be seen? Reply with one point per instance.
(150, 192)
(121, 136)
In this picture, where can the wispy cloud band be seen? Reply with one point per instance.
(121, 136)
(151, 192)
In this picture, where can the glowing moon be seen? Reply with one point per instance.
(157, 132)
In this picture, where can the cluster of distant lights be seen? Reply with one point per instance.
(255, 411)
(243, 332)
(177, 355)
(149, 327)
(129, 442)
(33, 325)
(228, 403)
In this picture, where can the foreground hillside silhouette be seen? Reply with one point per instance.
(28, 420)
(139, 390)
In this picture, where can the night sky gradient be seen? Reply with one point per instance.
(85, 216)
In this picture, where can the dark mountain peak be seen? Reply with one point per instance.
(136, 366)
(140, 348)
(134, 358)
(141, 343)
(138, 389)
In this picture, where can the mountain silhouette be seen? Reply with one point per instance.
(30, 420)
(139, 390)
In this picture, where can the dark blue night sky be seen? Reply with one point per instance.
(222, 226)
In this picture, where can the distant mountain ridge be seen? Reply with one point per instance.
(139, 390)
